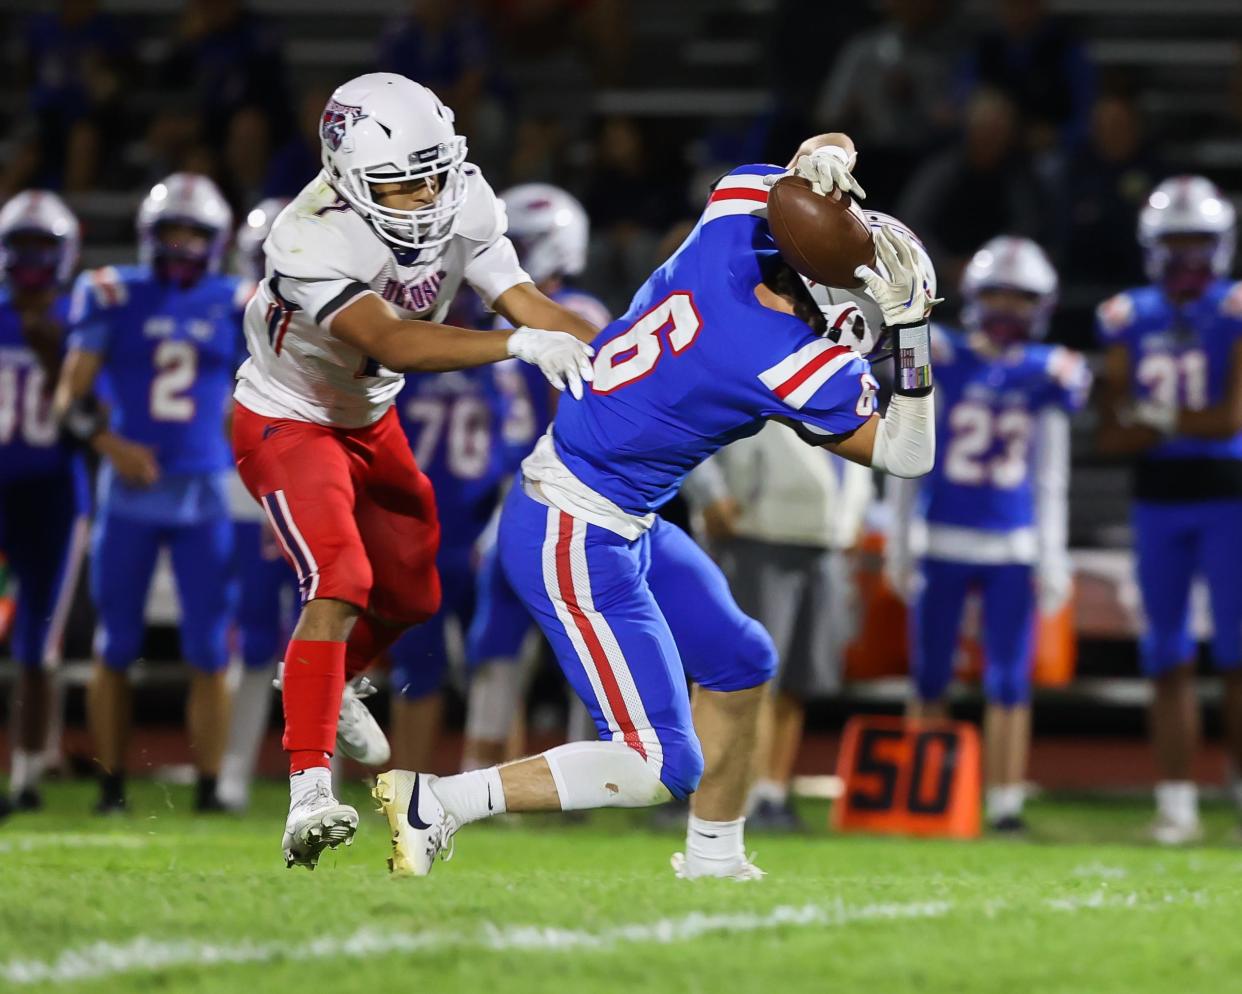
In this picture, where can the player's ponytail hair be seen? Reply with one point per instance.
(783, 280)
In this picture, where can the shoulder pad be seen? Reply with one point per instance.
(1116, 313)
(1231, 302)
(106, 286)
(483, 214)
(328, 245)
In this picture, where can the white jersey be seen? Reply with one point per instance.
(321, 256)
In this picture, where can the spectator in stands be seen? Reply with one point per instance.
(446, 46)
(959, 199)
(231, 61)
(1039, 61)
(296, 162)
(538, 29)
(72, 63)
(891, 88)
(1103, 184)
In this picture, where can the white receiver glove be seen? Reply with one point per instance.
(564, 360)
(827, 169)
(902, 295)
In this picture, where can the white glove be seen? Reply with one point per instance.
(1052, 588)
(903, 297)
(563, 359)
(827, 168)
(1159, 417)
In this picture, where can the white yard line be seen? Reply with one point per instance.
(146, 955)
(70, 840)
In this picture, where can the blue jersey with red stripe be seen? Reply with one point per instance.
(1180, 356)
(697, 362)
(30, 443)
(169, 355)
(986, 411)
(461, 427)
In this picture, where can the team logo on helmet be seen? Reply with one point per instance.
(332, 125)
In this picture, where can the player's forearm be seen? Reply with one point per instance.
(1217, 421)
(426, 347)
(77, 380)
(905, 438)
(526, 305)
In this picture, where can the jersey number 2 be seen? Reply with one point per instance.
(176, 365)
(634, 353)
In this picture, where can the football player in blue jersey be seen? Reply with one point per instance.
(550, 230)
(43, 498)
(720, 338)
(1172, 398)
(163, 339)
(265, 587)
(994, 509)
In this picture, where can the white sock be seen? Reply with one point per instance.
(714, 843)
(472, 795)
(603, 775)
(1178, 800)
(771, 791)
(302, 785)
(1005, 801)
(252, 704)
(26, 771)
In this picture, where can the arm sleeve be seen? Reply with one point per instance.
(89, 328)
(1052, 462)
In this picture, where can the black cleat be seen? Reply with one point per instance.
(1013, 826)
(111, 795)
(28, 799)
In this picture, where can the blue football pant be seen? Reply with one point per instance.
(123, 560)
(1009, 610)
(420, 657)
(628, 622)
(266, 594)
(43, 534)
(501, 622)
(1174, 542)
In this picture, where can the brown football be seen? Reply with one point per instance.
(823, 238)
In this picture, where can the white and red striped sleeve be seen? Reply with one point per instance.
(822, 384)
(740, 193)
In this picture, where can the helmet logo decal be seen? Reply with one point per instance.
(332, 125)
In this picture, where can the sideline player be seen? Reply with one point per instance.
(550, 230)
(360, 269)
(163, 338)
(43, 499)
(721, 337)
(1172, 398)
(995, 507)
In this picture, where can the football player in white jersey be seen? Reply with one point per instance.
(361, 268)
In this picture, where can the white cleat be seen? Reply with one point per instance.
(742, 870)
(1175, 831)
(358, 734)
(421, 828)
(315, 823)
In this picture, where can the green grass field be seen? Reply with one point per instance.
(162, 901)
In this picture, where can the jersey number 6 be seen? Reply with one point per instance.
(635, 352)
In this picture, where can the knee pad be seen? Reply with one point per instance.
(931, 683)
(1164, 651)
(682, 765)
(415, 674)
(206, 652)
(603, 775)
(1008, 686)
(496, 691)
(118, 645)
(752, 662)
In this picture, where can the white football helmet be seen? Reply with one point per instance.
(191, 199)
(39, 212)
(549, 228)
(384, 128)
(1009, 263)
(251, 234)
(865, 337)
(1187, 205)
